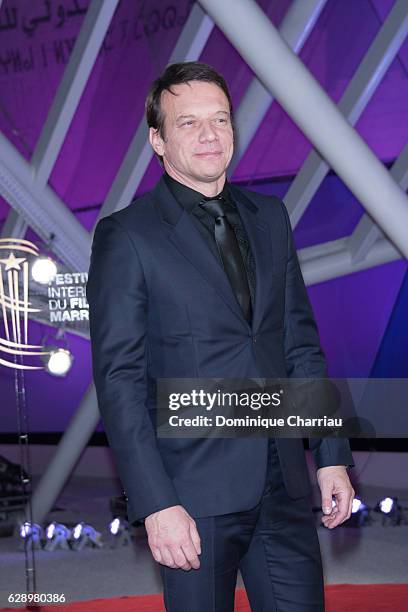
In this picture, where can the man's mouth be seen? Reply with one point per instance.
(209, 154)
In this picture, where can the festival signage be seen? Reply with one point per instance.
(61, 303)
(15, 303)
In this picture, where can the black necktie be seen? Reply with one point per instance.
(230, 253)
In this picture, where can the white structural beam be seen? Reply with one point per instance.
(69, 450)
(400, 168)
(365, 248)
(331, 260)
(15, 226)
(42, 209)
(315, 113)
(75, 78)
(358, 93)
(190, 44)
(295, 29)
(366, 232)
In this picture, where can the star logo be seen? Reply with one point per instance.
(12, 262)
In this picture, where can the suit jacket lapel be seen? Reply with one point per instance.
(183, 234)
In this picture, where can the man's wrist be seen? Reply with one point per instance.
(324, 467)
(161, 510)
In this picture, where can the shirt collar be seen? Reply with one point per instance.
(189, 198)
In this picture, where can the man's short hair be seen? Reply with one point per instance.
(175, 74)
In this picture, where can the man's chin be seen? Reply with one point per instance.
(211, 172)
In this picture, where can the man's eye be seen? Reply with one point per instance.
(187, 123)
(221, 120)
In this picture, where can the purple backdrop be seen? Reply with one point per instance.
(352, 311)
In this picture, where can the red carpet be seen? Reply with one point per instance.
(339, 598)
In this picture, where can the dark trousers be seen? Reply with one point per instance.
(275, 547)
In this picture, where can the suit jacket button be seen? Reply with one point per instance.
(254, 339)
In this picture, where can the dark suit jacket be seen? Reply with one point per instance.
(162, 307)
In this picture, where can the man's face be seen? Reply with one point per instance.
(198, 137)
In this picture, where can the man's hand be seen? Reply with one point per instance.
(173, 538)
(334, 482)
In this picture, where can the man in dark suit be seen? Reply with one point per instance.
(200, 279)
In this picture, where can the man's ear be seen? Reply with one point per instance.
(156, 141)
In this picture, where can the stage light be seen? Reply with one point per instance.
(114, 526)
(43, 270)
(357, 505)
(360, 514)
(387, 505)
(56, 357)
(31, 535)
(57, 536)
(391, 511)
(59, 361)
(120, 534)
(85, 535)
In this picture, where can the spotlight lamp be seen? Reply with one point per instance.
(57, 357)
(59, 361)
(57, 536)
(85, 535)
(119, 532)
(31, 535)
(360, 514)
(43, 270)
(391, 511)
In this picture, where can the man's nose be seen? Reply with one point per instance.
(207, 132)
